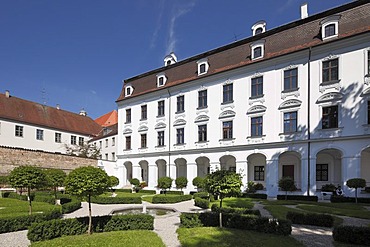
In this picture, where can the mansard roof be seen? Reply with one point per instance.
(286, 39)
(28, 112)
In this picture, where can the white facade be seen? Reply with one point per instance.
(325, 140)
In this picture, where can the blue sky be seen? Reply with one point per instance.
(77, 52)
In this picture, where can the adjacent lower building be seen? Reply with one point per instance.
(291, 101)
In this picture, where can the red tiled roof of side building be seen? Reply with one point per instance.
(293, 37)
(106, 132)
(108, 119)
(28, 112)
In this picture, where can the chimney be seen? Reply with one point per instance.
(7, 93)
(304, 11)
(58, 106)
(170, 59)
(83, 112)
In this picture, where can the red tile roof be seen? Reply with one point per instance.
(106, 132)
(108, 119)
(27, 112)
(292, 37)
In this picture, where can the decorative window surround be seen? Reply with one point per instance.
(256, 139)
(227, 114)
(291, 103)
(227, 142)
(160, 125)
(142, 128)
(179, 122)
(367, 66)
(330, 97)
(331, 20)
(128, 91)
(203, 66)
(294, 92)
(257, 44)
(201, 119)
(259, 27)
(260, 99)
(127, 131)
(161, 79)
(256, 109)
(333, 84)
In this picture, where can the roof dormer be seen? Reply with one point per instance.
(329, 27)
(259, 27)
(161, 79)
(170, 59)
(128, 90)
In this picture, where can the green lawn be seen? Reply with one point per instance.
(217, 237)
(234, 202)
(14, 207)
(132, 238)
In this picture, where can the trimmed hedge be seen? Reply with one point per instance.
(310, 219)
(172, 192)
(215, 208)
(254, 195)
(171, 199)
(124, 190)
(245, 222)
(203, 195)
(298, 198)
(44, 198)
(15, 195)
(65, 227)
(12, 224)
(71, 206)
(202, 203)
(352, 234)
(147, 192)
(116, 200)
(349, 199)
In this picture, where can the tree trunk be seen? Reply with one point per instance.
(286, 195)
(220, 214)
(55, 195)
(29, 200)
(90, 218)
(356, 194)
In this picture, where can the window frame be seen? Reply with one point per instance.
(328, 69)
(73, 140)
(161, 80)
(39, 134)
(227, 130)
(127, 142)
(202, 133)
(202, 99)
(256, 126)
(81, 141)
(58, 137)
(227, 93)
(290, 78)
(256, 86)
(260, 44)
(143, 140)
(320, 169)
(329, 21)
(128, 116)
(19, 131)
(292, 127)
(160, 138)
(113, 141)
(128, 91)
(203, 66)
(144, 112)
(161, 108)
(325, 115)
(180, 136)
(180, 104)
(258, 173)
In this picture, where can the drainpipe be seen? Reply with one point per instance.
(308, 122)
(169, 132)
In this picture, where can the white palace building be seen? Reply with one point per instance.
(290, 101)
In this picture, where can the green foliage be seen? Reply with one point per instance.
(135, 182)
(189, 220)
(113, 181)
(71, 206)
(116, 200)
(359, 235)
(203, 195)
(172, 192)
(87, 150)
(55, 178)
(148, 191)
(254, 195)
(325, 220)
(356, 183)
(11, 224)
(287, 184)
(349, 199)
(181, 182)
(229, 210)
(328, 188)
(202, 203)
(124, 190)
(3, 181)
(298, 198)
(164, 183)
(170, 198)
(198, 182)
(57, 228)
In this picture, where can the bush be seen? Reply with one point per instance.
(311, 219)
(258, 186)
(47, 199)
(71, 206)
(254, 195)
(164, 183)
(148, 191)
(135, 182)
(11, 224)
(170, 199)
(181, 182)
(334, 198)
(203, 195)
(172, 192)
(57, 228)
(124, 190)
(65, 199)
(202, 203)
(246, 222)
(215, 208)
(298, 198)
(367, 189)
(352, 234)
(19, 197)
(116, 200)
(198, 182)
(328, 188)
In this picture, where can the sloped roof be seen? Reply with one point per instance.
(28, 112)
(108, 119)
(106, 132)
(292, 37)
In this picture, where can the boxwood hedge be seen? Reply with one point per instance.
(359, 235)
(215, 208)
(116, 200)
(171, 198)
(311, 219)
(298, 198)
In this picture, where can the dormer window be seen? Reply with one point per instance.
(257, 49)
(259, 27)
(203, 66)
(128, 90)
(161, 80)
(329, 27)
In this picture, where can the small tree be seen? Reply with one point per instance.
(3, 181)
(164, 183)
(287, 184)
(86, 182)
(87, 150)
(223, 183)
(55, 178)
(181, 182)
(198, 182)
(29, 177)
(136, 183)
(113, 182)
(356, 183)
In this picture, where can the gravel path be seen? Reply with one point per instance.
(14, 239)
(313, 236)
(166, 228)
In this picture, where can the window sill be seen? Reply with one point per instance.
(289, 133)
(143, 119)
(331, 129)
(329, 37)
(127, 122)
(127, 149)
(159, 116)
(227, 139)
(201, 142)
(179, 112)
(179, 144)
(202, 108)
(257, 96)
(325, 83)
(143, 148)
(227, 102)
(290, 90)
(256, 137)
(160, 146)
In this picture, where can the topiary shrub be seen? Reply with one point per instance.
(190, 220)
(71, 206)
(356, 183)
(202, 203)
(148, 191)
(254, 195)
(124, 190)
(171, 192)
(298, 198)
(338, 199)
(164, 183)
(310, 219)
(181, 182)
(116, 200)
(328, 188)
(170, 198)
(227, 210)
(135, 182)
(359, 235)
(203, 195)
(198, 182)
(287, 184)
(130, 222)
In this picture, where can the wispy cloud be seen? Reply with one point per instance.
(93, 91)
(285, 6)
(158, 25)
(177, 12)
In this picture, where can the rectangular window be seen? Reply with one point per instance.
(257, 86)
(228, 93)
(81, 141)
(40, 134)
(19, 131)
(256, 126)
(330, 70)
(202, 68)
(113, 141)
(290, 122)
(330, 117)
(330, 30)
(180, 136)
(227, 130)
(291, 79)
(128, 115)
(106, 143)
(106, 156)
(58, 137)
(144, 112)
(321, 172)
(259, 173)
(143, 141)
(113, 156)
(160, 138)
(180, 103)
(73, 140)
(257, 52)
(128, 142)
(202, 99)
(100, 144)
(202, 133)
(161, 108)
